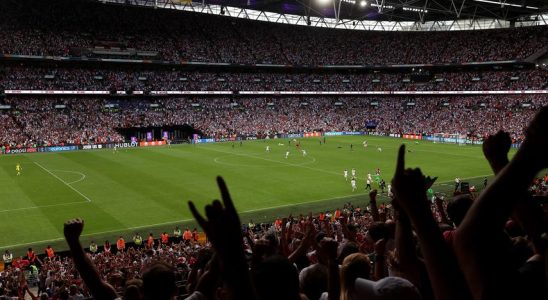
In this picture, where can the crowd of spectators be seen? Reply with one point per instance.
(72, 28)
(52, 121)
(36, 78)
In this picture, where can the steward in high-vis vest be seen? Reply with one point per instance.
(49, 252)
(137, 240)
(8, 258)
(93, 247)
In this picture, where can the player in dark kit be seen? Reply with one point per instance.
(485, 182)
(382, 184)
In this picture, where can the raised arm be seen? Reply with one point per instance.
(223, 230)
(374, 207)
(328, 248)
(487, 274)
(405, 254)
(410, 193)
(99, 288)
(526, 212)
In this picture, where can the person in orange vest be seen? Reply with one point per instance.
(187, 235)
(337, 213)
(31, 257)
(121, 244)
(150, 241)
(165, 238)
(49, 252)
(322, 216)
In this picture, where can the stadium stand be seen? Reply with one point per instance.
(65, 28)
(37, 122)
(56, 78)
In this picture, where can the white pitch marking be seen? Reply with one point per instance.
(65, 183)
(42, 206)
(83, 176)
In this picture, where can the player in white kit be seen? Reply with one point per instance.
(345, 175)
(353, 183)
(286, 154)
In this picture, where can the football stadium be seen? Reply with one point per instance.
(359, 149)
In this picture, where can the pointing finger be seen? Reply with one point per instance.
(400, 165)
(225, 195)
(197, 216)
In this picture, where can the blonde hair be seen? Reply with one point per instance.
(356, 265)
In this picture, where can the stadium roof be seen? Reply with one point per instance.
(373, 14)
(397, 10)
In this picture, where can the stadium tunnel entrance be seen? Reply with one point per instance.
(176, 133)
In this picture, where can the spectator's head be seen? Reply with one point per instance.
(159, 282)
(354, 266)
(352, 231)
(276, 278)
(458, 207)
(133, 290)
(388, 288)
(348, 249)
(378, 230)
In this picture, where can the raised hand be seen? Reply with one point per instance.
(73, 229)
(373, 195)
(410, 185)
(99, 289)
(429, 181)
(495, 149)
(536, 142)
(223, 224)
(223, 230)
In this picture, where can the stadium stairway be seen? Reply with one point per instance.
(539, 54)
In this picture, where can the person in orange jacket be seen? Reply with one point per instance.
(49, 252)
(121, 244)
(31, 257)
(150, 241)
(187, 235)
(164, 238)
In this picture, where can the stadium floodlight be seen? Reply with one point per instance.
(324, 2)
(363, 3)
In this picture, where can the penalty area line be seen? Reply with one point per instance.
(64, 182)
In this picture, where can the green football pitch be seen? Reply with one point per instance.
(146, 189)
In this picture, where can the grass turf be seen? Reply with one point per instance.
(146, 189)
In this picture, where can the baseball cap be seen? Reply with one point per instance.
(388, 288)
